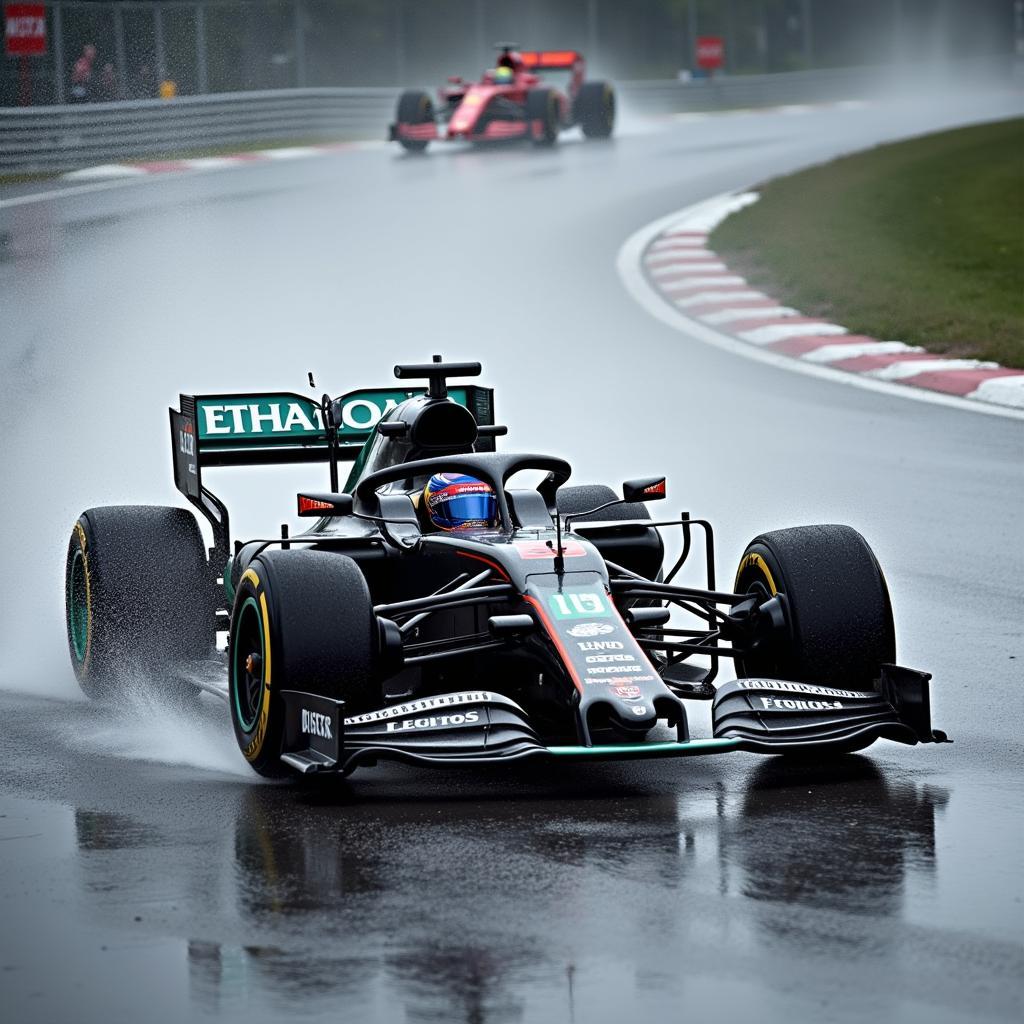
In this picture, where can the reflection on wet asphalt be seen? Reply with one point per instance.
(744, 887)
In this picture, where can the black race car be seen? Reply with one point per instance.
(556, 632)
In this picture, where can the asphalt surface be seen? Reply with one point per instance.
(147, 875)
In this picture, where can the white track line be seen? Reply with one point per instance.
(677, 269)
(900, 371)
(725, 295)
(1008, 390)
(711, 281)
(780, 332)
(629, 264)
(103, 171)
(726, 316)
(836, 353)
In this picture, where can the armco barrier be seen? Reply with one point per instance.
(44, 139)
(53, 139)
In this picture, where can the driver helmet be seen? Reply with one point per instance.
(504, 75)
(455, 501)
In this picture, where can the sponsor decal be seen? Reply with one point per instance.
(658, 488)
(187, 440)
(578, 605)
(817, 691)
(540, 549)
(789, 704)
(434, 722)
(435, 498)
(315, 724)
(426, 704)
(272, 416)
(620, 679)
(290, 417)
(313, 505)
(603, 659)
(591, 629)
(639, 709)
(597, 670)
(627, 692)
(599, 645)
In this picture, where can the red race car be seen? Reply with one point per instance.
(511, 101)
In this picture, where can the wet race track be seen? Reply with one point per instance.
(148, 875)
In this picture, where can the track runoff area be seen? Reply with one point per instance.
(671, 268)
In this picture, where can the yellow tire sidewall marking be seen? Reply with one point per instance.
(753, 559)
(252, 751)
(83, 546)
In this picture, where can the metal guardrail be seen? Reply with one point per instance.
(53, 139)
(45, 139)
(728, 92)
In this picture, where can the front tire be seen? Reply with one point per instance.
(839, 618)
(542, 106)
(138, 598)
(302, 620)
(414, 107)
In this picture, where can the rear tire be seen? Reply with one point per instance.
(839, 618)
(302, 620)
(594, 110)
(414, 107)
(138, 598)
(542, 105)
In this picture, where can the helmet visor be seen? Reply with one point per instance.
(456, 502)
(470, 510)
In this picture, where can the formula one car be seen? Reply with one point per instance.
(551, 631)
(510, 101)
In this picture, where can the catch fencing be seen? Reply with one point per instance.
(62, 138)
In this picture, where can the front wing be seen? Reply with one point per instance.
(765, 716)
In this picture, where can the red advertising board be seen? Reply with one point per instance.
(24, 30)
(710, 52)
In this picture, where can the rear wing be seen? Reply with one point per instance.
(280, 427)
(551, 60)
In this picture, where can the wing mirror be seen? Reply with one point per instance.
(649, 489)
(319, 505)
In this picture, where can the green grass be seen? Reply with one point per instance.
(921, 241)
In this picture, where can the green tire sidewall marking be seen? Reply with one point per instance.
(229, 590)
(78, 606)
(238, 670)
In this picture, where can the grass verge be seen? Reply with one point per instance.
(921, 241)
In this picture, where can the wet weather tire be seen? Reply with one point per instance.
(839, 625)
(302, 620)
(594, 110)
(138, 598)
(414, 107)
(542, 106)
